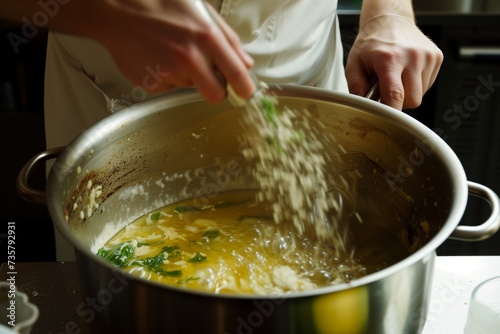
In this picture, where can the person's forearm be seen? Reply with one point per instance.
(373, 8)
(14, 10)
(63, 15)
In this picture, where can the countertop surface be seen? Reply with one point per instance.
(55, 289)
(454, 279)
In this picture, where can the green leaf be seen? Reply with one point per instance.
(211, 234)
(198, 257)
(173, 251)
(119, 255)
(170, 249)
(155, 263)
(186, 280)
(155, 216)
(151, 263)
(269, 109)
(142, 244)
(186, 208)
(272, 114)
(171, 273)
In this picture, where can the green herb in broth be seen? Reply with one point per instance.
(119, 256)
(198, 257)
(142, 244)
(211, 234)
(171, 249)
(155, 263)
(171, 273)
(174, 252)
(186, 208)
(205, 238)
(229, 245)
(269, 110)
(151, 263)
(155, 216)
(186, 280)
(272, 115)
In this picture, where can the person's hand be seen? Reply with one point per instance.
(392, 50)
(161, 45)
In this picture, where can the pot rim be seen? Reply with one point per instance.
(179, 97)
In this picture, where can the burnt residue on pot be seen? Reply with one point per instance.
(416, 230)
(95, 187)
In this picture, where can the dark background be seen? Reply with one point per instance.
(22, 136)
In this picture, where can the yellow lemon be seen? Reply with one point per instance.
(343, 312)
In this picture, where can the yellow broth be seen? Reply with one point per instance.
(232, 245)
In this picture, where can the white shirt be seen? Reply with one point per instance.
(291, 41)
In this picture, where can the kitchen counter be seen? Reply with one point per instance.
(55, 289)
(454, 279)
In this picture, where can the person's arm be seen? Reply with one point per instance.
(169, 37)
(391, 48)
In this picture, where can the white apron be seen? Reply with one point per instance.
(291, 41)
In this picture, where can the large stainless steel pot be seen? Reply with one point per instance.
(127, 155)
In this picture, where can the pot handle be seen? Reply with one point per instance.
(490, 226)
(23, 188)
(374, 92)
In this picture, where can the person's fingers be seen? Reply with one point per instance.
(404, 61)
(413, 89)
(435, 61)
(392, 90)
(196, 53)
(198, 69)
(234, 71)
(229, 58)
(192, 70)
(357, 80)
(232, 37)
(209, 83)
(199, 65)
(392, 93)
(420, 76)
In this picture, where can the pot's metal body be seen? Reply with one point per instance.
(130, 158)
(394, 304)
